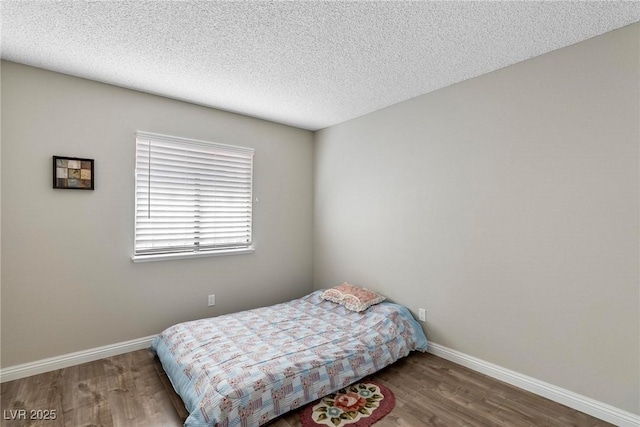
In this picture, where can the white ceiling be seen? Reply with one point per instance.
(305, 64)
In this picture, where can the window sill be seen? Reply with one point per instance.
(186, 255)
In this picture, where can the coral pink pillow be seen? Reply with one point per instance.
(353, 297)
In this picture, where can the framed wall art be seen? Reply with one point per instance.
(73, 173)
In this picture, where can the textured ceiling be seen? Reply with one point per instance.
(306, 64)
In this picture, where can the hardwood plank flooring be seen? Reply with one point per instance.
(132, 390)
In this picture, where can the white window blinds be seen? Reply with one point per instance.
(191, 196)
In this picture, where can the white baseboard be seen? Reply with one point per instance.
(568, 398)
(51, 364)
(573, 400)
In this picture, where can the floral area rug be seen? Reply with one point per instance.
(358, 405)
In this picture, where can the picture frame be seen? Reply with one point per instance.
(73, 173)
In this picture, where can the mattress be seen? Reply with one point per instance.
(247, 368)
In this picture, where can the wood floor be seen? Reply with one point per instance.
(131, 390)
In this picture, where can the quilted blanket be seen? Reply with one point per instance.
(247, 368)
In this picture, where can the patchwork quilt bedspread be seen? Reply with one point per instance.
(247, 368)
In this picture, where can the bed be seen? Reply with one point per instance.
(247, 368)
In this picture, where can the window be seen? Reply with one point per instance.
(193, 198)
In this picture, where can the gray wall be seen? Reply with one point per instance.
(508, 207)
(68, 282)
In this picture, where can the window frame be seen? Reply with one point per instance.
(182, 252)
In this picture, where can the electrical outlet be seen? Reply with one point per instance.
(212, 300)
(422, 314)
